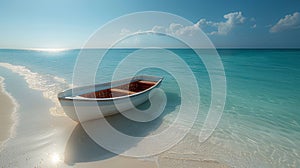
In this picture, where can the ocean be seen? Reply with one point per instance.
(259, 127)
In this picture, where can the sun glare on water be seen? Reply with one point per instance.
(55, 158)
(49, 49)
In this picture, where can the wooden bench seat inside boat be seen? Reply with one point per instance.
(147, 82)
(127, 92)
(122, 90)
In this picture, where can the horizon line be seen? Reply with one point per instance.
(217, 48)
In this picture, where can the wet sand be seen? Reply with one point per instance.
(7, 109)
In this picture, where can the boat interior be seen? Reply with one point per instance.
(122, 90)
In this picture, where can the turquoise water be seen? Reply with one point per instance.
(260, 126)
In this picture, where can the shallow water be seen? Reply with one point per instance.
(260, 126)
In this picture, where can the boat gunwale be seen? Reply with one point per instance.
(111, 98)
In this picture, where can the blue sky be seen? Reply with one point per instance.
(68, 24)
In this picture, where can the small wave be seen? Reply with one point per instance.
(14, 115)
(48, 84)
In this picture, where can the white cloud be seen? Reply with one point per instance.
(287, 23)
(254, 26)
(223, 28)
(160, 29)
(176, 29)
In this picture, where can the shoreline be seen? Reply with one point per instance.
(37, 81)
(7, 114)
(10, 120)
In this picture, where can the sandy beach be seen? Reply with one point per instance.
(12, 148)
(42, 139)
(7, 112)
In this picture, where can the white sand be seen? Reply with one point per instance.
(117, 162)
(44, 140)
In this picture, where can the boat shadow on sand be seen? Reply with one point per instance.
(81, 148)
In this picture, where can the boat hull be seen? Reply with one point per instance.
(81, 110)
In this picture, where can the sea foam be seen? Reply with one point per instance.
(49, 85)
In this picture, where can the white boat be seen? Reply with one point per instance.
(100, 100)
